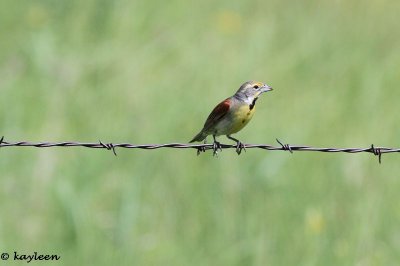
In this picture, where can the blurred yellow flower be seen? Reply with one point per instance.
(228, 22)
(37, 16)
(314, 221)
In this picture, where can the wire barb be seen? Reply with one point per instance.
(377, 152)
(1, 140)
(200, 150)
(108, 146)
(240, 147)
(285, 147)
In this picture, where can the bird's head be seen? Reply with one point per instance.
(250, 90)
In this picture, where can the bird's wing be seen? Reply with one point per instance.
(217, 114)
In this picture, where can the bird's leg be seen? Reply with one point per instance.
(239, 145)
(216, 146)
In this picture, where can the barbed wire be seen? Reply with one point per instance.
(378, 151)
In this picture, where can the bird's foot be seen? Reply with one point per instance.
(216, 147)
(239, 147)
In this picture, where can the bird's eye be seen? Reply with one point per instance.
(255, 87)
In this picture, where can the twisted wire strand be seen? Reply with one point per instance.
(378, 151)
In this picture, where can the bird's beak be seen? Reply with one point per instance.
(266, 88)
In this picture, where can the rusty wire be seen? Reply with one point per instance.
(378, 151)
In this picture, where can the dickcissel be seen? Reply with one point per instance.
(232, 114)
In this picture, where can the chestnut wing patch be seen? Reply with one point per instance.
(217, 114)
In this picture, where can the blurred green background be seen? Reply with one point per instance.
(150, 72)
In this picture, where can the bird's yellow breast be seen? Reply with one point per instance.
(241, 117)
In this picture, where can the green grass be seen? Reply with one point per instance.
(150, 72)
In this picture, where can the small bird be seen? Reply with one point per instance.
(232, 114)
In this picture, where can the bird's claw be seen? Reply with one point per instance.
(239, 147)
(216, 147)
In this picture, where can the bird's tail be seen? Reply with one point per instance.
(199, 137)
